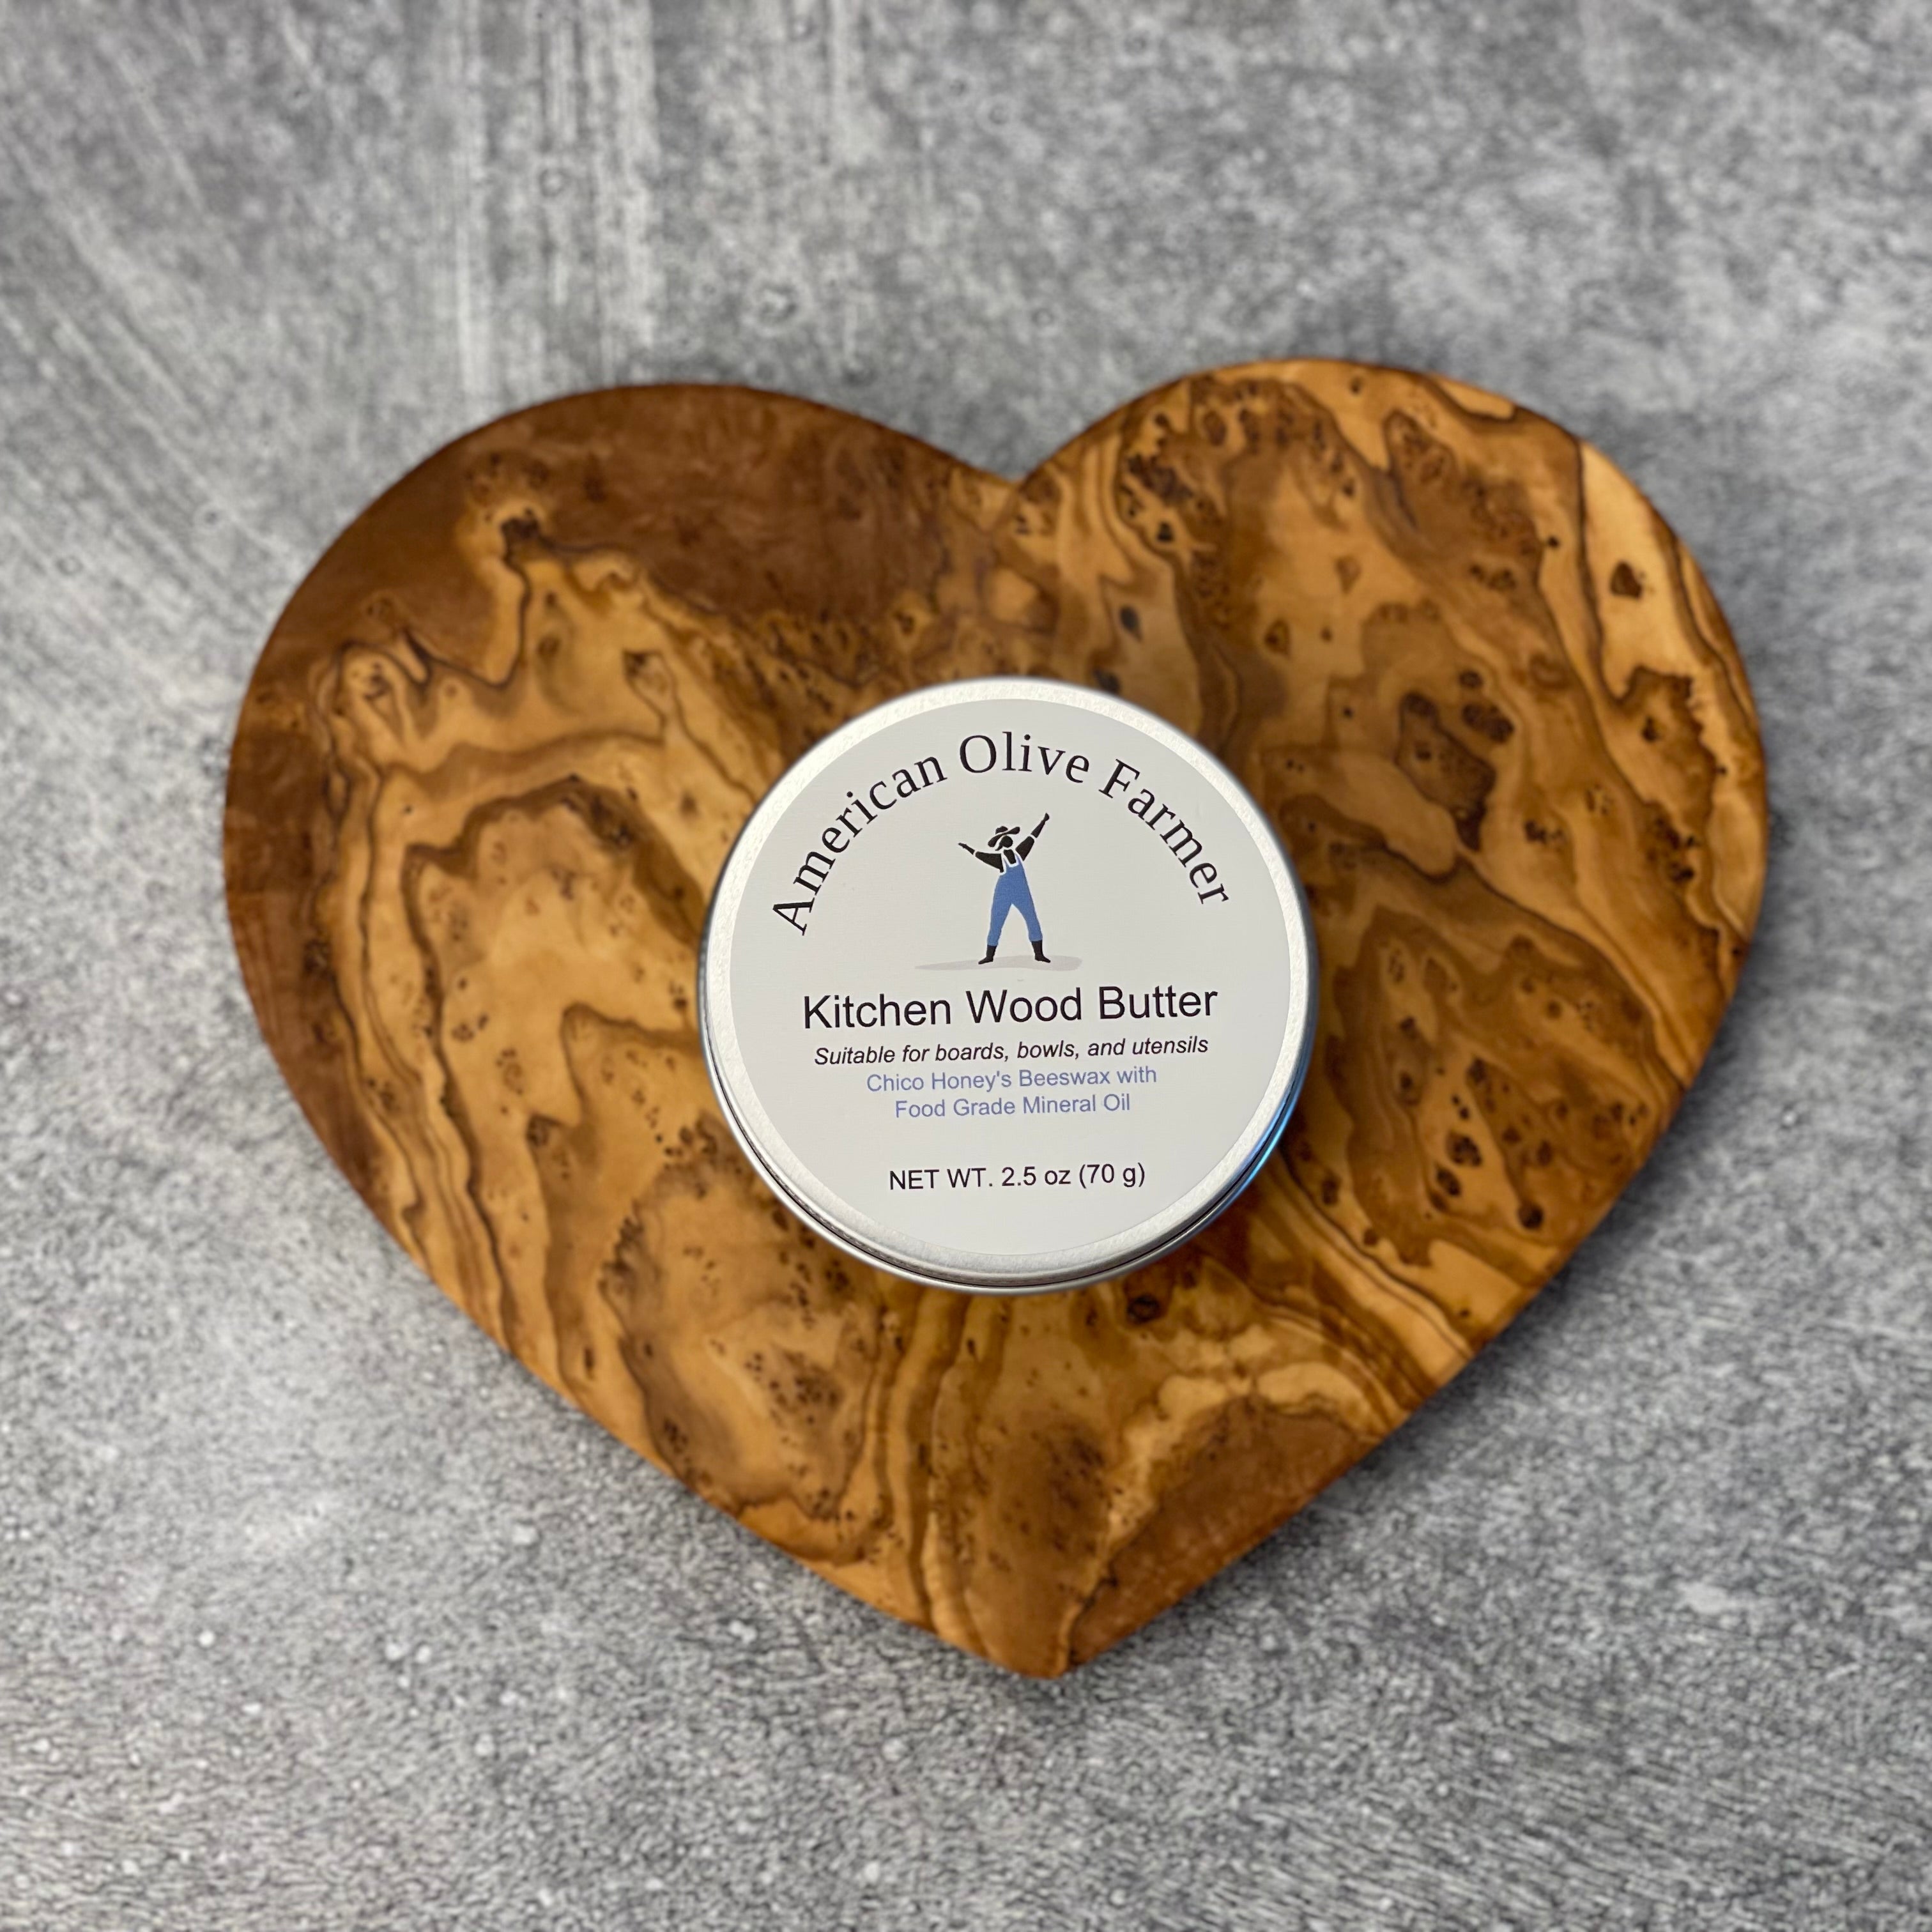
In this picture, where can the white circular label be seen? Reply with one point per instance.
(1007, 983)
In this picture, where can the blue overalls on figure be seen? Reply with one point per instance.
(1007, 858)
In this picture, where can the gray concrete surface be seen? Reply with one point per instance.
(314, 1611)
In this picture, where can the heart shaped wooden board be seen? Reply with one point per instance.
(495, 752)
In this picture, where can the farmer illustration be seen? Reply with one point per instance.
(1007, 858)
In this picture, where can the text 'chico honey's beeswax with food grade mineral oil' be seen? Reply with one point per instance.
(1007, 985)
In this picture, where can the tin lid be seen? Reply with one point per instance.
(1007, 985)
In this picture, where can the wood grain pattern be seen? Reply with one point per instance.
(496, 751)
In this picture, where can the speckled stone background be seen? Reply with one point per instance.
(316, 1612)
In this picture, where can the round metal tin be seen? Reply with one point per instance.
(1007, 985)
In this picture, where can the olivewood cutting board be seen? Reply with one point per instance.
(494, 754)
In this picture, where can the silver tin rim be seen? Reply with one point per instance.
(932, 1266)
